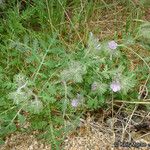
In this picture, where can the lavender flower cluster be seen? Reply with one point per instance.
(75, 102)
(115, 86)
(96, 54)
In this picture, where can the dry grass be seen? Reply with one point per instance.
(100, 134)
(90, 135)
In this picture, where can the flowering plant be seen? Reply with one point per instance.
(52, 70)
(97, 72)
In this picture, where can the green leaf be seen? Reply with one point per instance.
(35, 106)
(92, 103)
(2, 142)
(21, 119)
(38, 124)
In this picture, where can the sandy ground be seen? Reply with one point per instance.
(89, 136)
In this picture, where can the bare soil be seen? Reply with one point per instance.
(99, 130)
(95, 132)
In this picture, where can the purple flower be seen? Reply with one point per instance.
(74, 102)
(115, 86)
(112, 45)
(94, 86)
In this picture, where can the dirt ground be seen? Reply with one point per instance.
(94, 135)
(99, 134)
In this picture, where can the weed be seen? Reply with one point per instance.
(53, 68)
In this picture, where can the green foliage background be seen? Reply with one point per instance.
(48, 56)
